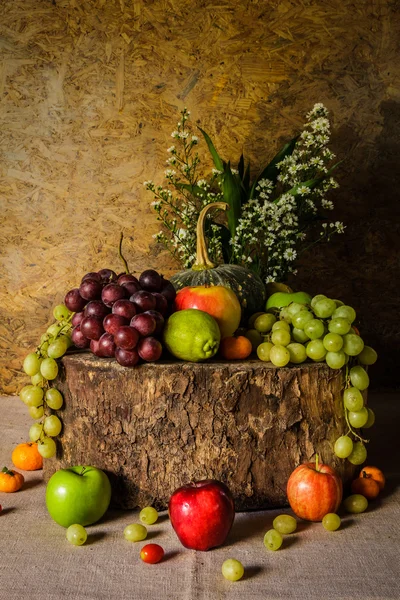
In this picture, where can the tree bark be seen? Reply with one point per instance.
(160, 425)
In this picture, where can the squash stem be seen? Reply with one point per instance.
(203, 261)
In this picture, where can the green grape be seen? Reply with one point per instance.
(49, 368)
(316, 350)
(52, 426)
(358, 418)
(331, 522)
(148, 515)
(35, 431)
(352, 344)
(31, 364)
(284, 315)
(253, 317)
(33, 396)
(345, 312)
(339, 325)
(358, 455)
(314, 329)
(135, 532)
(294, 308)
(58, 348)
(343, 446)
(280, 337)
(38, 380)
(297, 353)
(54, 329)
(47, 447)
(61, 312)
(324, 308)
(338, 302)
(255, 338)
(367, 356)
(273, 540)
(371, 419)
(299, 336)
(54, 399)
(333, 342)
(68, 338)
(24, 392)
(279, 356)
(316, 299)
(76, 535)
(335, 360)
(301, 318)
(281, 325)
(232, 569)
(359, 377)
(353, 399)
(264, 323)
(263, 351)
(284, 524)
(356, 503)
(36, 412)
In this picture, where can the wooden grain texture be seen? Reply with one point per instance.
(90, 92)
(158, 426)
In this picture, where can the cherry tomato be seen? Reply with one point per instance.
(151, 553)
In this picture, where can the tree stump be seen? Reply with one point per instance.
(159, 425)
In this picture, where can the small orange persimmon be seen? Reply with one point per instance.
(374, 473)
(366, 486)
(235, 348)
(26, 457)
(10, 481)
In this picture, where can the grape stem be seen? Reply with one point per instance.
(121, 255)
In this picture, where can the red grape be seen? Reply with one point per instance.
(144, 323)
(126, 337)
(125, 278)
(79, 340)
(107, 275)
(95, 347)
(149, 349)
(158, 318)
(107, 345)
(131, 287)
(126, 358)
(168, 290)
(143, 301)
(77, 318)
(92, 328)
(113, 322)
(125, 308)
(161, 303)
(90, 289)
(113, 292)
(91, 276)
(96, 308)
(150, 280)
(74, 301)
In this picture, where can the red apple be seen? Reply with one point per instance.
(202, 514)
(313, 490)
(217, 300)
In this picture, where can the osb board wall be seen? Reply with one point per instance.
(90, 92)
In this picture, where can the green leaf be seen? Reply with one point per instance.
(218, 162)
(271, 171)
(313, 183)
(195, 190)
(231, 190)
(241, 166)
(246, 180)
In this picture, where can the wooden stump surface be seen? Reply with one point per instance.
(157, 426)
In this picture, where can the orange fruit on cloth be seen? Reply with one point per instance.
(26, 457)
(235, 348)
(10, 481)
(374, 473)
(366, 486)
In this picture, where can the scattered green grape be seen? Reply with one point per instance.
(297, 353)
(331, 522)
(279, 356)
(358, 455)
(35, 431)
(31, 364)
(324, 308)
(352, 344)
(58, 348)
(61, 312)
(280, 337)
(284, 524)
(273, 540)
(148, 515)
(343, 446)
(49, 368)
(264, 322)
(232, 569)
(356, 503)
(76, 535)
(47, 447)
(367, 356)
(314, 329)
(52, 426)
(333, 342)
(358, 418)
(54, 399)
(339, 325)
(135, 532)
(371, 418)
(263, 351)
(335, 360)
(359, 377)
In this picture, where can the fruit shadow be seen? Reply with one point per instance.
(252, 524)
(251, 572)
(93, 538)
(170, 555)
(7, 510)
(32, 483)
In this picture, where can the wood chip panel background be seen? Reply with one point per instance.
(91, 91)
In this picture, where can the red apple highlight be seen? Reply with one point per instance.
(202, 514)
(313, 490)
(217, 300)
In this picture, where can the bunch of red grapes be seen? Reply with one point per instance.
(121, 316)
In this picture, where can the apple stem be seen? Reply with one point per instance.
(203, 261)
(83, 470)
(316, 463)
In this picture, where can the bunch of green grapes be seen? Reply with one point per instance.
(322, 331)
(42, 367)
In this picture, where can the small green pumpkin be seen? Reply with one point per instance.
(247, 286)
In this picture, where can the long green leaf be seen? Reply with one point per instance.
(218, 162)
(231, 190)
(271, 171)
(241, 166)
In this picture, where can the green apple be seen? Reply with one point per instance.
(78, 495)
(280, 299)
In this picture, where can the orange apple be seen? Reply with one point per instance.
(217, 300)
